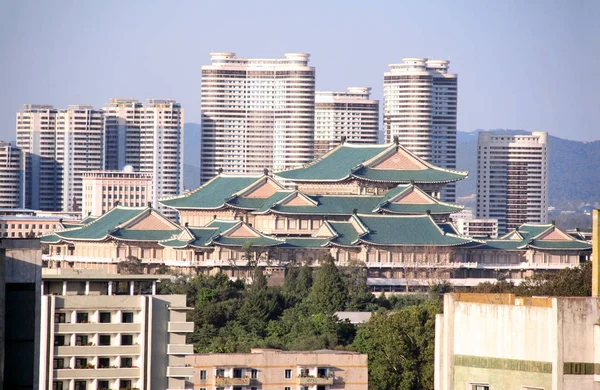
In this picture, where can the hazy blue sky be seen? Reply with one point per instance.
(524, 64)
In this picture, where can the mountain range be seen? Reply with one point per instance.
(573, 166)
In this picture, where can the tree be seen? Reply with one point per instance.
(328, 293)
(568, 282)
(360, 297)
(400, 346)
(130, 266)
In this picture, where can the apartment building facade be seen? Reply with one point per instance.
(420, 108)
(350, 115)
(102, 190)
(512, 178)
(101, 331)
(11, 165)
(477, 227)
(256, 114)
(276, 369)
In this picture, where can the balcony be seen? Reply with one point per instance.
(97, 350)
(311, 380)
(179, 372)
(226, 381)
(180, 349)
(98, 328)
(181, 327)
(86, 373)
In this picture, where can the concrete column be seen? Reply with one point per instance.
(131, 287)
(87, 287)
(64, 290)
(154, 287)
(110, 286)
(42, 288)
(596, 253)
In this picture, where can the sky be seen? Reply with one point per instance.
(532, 65)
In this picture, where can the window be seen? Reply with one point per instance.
(254, 388)
(237, 372)
(104, 317)
(288, 374)
(80, 385)
(126, 339)
(102, 385)
(202, 374)
(81, 340)
(126, 362)
(220, 372)
(80, 362)
(254, 374)
(82, 318)
(104, 339)
(59, 340)
(479, 386)
(125, 384)
(59, 363)
(287, 388)
(57, 385)
(60, 318)
(127, 318)
(103, 362)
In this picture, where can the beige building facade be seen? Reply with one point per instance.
(101, 331)
(276, 369)
(102, 190)
(11, 166)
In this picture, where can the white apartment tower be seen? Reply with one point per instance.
(512, 178)
(36, 137)
(10, 176)
(149, 137)
(420, 100)
(256, 114)
(79, 138)
(351, 114)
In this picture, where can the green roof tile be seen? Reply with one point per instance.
(241, 241)
(333, 204)
(346, 234)
(212, 194)
(406, 176)
(569, 245)
(144, 235)
(50, 239)
(100, 227)
(304, 242)
(438, 208)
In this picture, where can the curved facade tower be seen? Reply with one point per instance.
(420, 101)
(256, 114)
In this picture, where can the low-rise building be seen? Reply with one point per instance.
(276, 369)
(108, 331)
(478, 227)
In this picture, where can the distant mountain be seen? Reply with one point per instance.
(191, 177)
(191, 144)
(573, 169)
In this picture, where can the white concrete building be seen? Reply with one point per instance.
(512, 178)
(477, 227)
(351, 114)
(149, 137)
(11, 166)
(110, 331)
(102, 190)
(36, 137)
(420, 101)
(256, 113)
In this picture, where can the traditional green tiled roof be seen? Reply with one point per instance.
(87, 219)
(270, 201)
(222, 225)
(348, 161)
(241, 241)
(568, 245)
(102, 226)
(71, 225)
(530, 235)
(336, 164)
(144, 235)
(407, 230)
(297, 242)
(246, 203)
(332, 205)
(50, 239)
(439, 208)
(346, 234)
(212, 194)
(448, 227)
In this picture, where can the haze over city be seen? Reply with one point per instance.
(527, 65)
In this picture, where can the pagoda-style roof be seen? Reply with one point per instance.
(120, 223)
(390, 163)
(237, 191)
(410, 199)
(221, 233)
(537, 236)
(390, 230)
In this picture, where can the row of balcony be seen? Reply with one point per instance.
(116, 372)
(302, 380)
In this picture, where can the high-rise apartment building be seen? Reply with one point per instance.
(512, 178)
(36, 137)
(350, 114)
(420, 100)
(256, 114)
(149, 137)
(10, 176)
(58, 146)
(79, 138)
